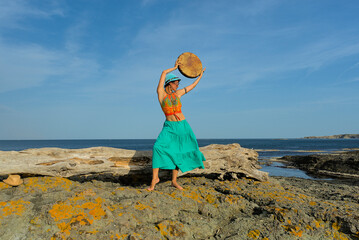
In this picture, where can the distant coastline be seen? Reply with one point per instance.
(339, 136)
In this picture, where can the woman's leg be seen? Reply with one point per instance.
(155, 179)
(174, 179)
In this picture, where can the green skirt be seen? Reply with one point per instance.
(177, 147)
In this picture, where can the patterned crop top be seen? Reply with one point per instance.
(171, 105)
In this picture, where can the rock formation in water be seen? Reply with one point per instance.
(344, 164)
(346, 136)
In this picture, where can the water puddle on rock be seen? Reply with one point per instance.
(278, 169)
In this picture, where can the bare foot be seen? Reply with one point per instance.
(153, 184)
(175, 184)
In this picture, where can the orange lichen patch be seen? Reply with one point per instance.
(121, 188)
(261, 192)
(231, 199)
(336, 226)
(141, 206)
(4, 185)
(114, 207)
(170, 228)
(46, 183)
(294, 230)
(173, 195)
(65, 228)
(71, 214)
(93, 231)
(279, 213)
(319, 223)
(16, 207)
(96, 209)
(118, 236)
(253, 234)
(210, 198)
(124, 236)
(232, 185)
(312, 203)
(340, 236)
(308, 227)
(336, 235)
(193, 195)
(61, 211)
(200, 195)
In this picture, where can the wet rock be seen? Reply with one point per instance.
(345, 165)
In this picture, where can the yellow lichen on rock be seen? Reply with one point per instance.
(336, 226)
(69, 213)
(174, 196)
(294, 230)
(192, 194)
(253, 234)
(114, 207)
(46, 183)
(118, 236)
(4, 186)
(231, 199)
(141, 206)
(335, 235)
(16, 207)
(170, 228)
(211, 198)
(319, 223)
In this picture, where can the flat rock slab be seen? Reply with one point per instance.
(222, 160)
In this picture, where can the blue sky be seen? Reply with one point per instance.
(89, 69)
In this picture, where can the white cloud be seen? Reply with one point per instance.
(24, 66)
(11, 11)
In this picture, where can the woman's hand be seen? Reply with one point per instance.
(204, 69)
(177, 63)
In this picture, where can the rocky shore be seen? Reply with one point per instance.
(340, 165)
(281, 208)
(106, 206)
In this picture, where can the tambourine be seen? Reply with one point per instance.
(189, 65)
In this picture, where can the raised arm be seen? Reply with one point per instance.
(160, 88)
(185, 90)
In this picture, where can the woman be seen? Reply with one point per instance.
(176, 147)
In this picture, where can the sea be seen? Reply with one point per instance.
(267, 149)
